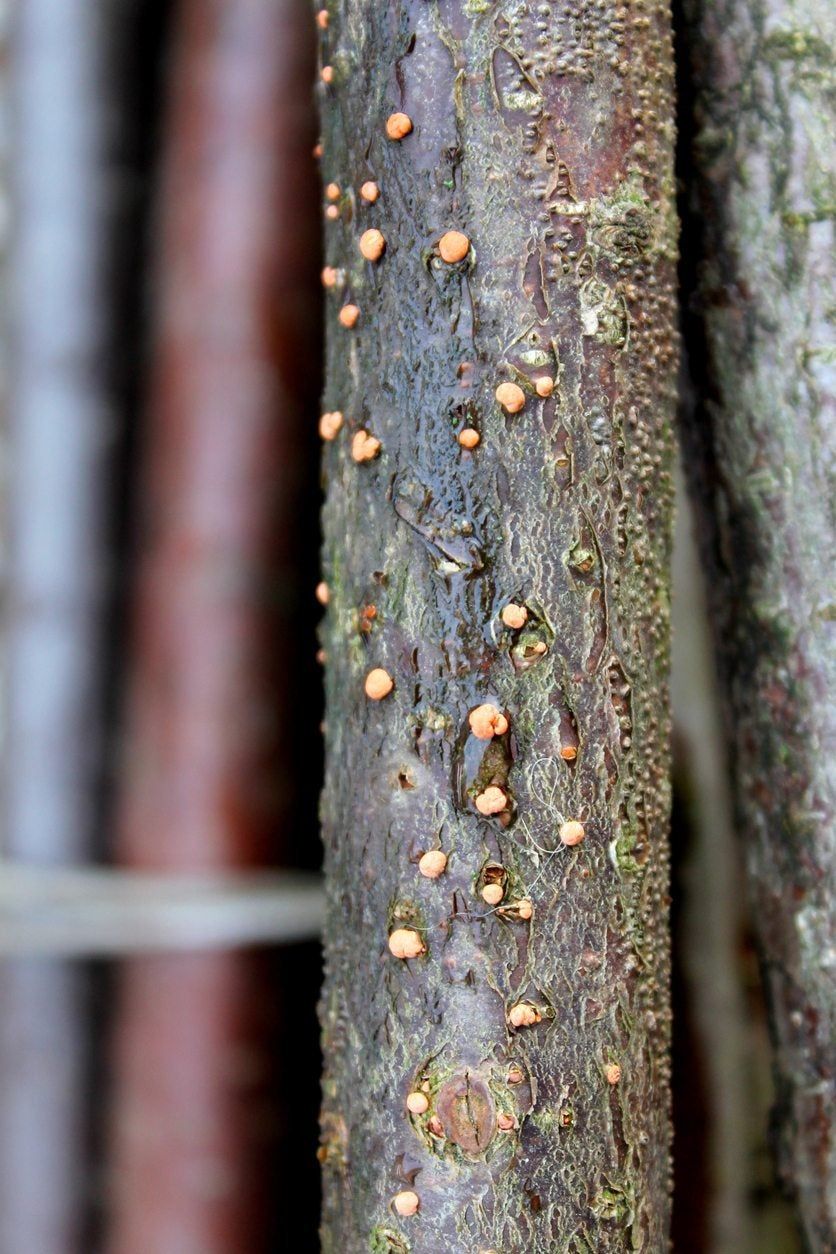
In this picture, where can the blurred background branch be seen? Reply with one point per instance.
(213, 728)
(102, 913)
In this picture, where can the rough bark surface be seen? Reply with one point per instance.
(543, 132)
(764, 457)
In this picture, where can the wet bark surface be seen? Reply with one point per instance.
(762, 445)
(543, 133)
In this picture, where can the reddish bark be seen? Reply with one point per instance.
(210, 723)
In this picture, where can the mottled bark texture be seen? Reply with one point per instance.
(543, 132)
(764, 457)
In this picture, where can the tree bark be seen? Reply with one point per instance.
(763, 444)
(544, 134)
(211, 728)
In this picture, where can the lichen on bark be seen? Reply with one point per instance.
(762, 445)
(544, 133)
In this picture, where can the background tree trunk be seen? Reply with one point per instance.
(212, 740)
(545, 135)
(59, 209)
(762, 448)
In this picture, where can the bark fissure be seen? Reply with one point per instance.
(538, 131)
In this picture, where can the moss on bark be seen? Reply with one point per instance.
(544, 133)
